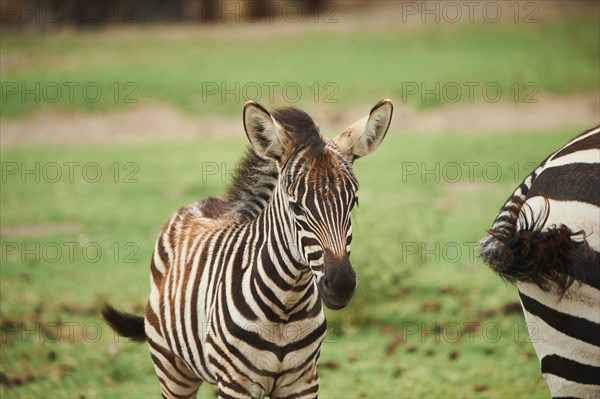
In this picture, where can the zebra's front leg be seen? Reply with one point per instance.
(311, 392)
(232, 388)
(176, 380)
(304, 387)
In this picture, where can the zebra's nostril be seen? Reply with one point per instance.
(326, 283)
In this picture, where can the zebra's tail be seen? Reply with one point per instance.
(125, 324)
(497, 248)
(532, 253)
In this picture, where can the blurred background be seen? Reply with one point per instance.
(115, 113)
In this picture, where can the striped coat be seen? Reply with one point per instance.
(546, 239)
(238, 284)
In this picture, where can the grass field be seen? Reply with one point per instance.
(425, 309)
(197, 68)
(428, 320)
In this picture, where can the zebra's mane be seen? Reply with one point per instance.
(256, 177)
(253, 184)
(301, 128)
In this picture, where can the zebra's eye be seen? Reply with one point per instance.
(297, 209)
(354, 203)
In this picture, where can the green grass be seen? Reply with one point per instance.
(406, 287)
(359, 66)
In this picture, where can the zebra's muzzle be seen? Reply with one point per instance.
(338, 283)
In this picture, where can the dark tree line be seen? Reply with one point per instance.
(91, 13)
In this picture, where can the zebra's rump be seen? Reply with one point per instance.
(544, 250)
(549, 229)
(559, 227)
(546, 239)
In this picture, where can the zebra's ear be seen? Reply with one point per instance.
(365, 135)
(266, 136)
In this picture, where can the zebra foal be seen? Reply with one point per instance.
(237, 284)
(546, 239)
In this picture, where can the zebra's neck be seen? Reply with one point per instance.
(279, 269)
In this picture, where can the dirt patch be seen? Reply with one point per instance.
(550, 112)
(159, 122)
(16, 379)
(145, 123)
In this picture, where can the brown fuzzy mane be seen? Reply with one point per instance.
(252, 185)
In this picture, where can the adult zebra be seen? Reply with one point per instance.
(546, 239)
(237, 283)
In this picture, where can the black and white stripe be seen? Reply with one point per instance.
(546, 239)
(237, 284)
